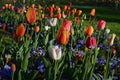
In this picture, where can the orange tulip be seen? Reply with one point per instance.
(64, 8)
(31, 15)
(6, 5)
(42, 15)
(75, 10)
(20, 31)
(13, 67)
(33, 5)
(79, 12)
(89, 30)
(59, 15)
(36, 28)
(92, 13)
(63, 36)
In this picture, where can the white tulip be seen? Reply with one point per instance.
(53, 21)
(47, 27)
(107, 31)
(112, 37)
(55, 52)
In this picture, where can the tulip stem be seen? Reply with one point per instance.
(55, 70)
(13, 75)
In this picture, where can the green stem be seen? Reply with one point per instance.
(13, 76)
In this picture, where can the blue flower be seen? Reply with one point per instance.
(41, 67)
(6, 73)
(101, 60)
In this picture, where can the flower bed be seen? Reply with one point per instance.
(56, 43)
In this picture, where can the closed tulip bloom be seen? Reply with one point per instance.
(91, 42)
(20, 31)
(42, 15)
(63, 36)
(101, 24)
(79, 12)
(107, 31)
(36, 28)
(53, 21)
(31, 15)
(55, 52)
(47, 28)
(89, 30)
(64, 8)
(63, 15)
(111, 41)
(13, 67)
(59, 15)
(67, 24)
(92, 13)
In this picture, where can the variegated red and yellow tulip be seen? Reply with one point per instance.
(89, 30)
(20, 31)
(79, 12)
(63, 36)
(31, 15)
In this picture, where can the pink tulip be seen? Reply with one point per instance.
(101, 24)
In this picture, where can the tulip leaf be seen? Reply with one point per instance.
(46, 39)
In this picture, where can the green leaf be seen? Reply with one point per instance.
(46, 39)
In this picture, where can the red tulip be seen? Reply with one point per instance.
(31, 15)
(67, 24)
(4, 26)
(101, 24)
(13, 67)
(91, 42)
(89, 30)
(20, 31)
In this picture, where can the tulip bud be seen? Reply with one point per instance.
(4, 26)
(20, 31)
(53, 21)
(112, 37)
(107, 31)
(114, 51)
(79, 12)
(58, 15)
(36, 28)
(42, 15)
(92, 13)
(55, 52)
(63, 15)
(101, 24)
(64, 8)
(91, 42)
(13, 67)
(89, 30)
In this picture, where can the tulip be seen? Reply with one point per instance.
(64, 8)
(112, 37)
(39, 6)
(59, 15)
(67, 24)
(6, 5)
(4, 26)
(3, 7)
(63, 36)
(36, 28)
(107, 31)
(114, 51)
(79, 12)
(101, 24)
(53, 21)
(77, 20)
(55, 52)
(33, 5)
(92, 13)
(63, 15)
(20, 31)
(31, 15)
(13, 67)
(91, 42)
(51, 10)
(42, 15)
(89, 30)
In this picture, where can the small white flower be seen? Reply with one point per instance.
(47, 27)
(53, 21)
(107, 31)
(55, 52)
